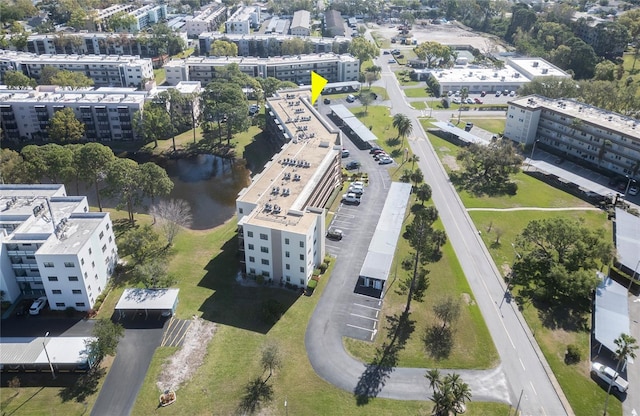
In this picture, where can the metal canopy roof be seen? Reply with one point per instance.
(28, 350)
(148, 299)
(353, 123)
(628, 239)
(611, 312)
(461, 133)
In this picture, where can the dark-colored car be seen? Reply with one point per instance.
(334, 234)
(374, 149)
(352, 165)
(327, 101)
(483, 93)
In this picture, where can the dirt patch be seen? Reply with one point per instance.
(189, 358)
(451, 162)
(506, 269)
(466, 298)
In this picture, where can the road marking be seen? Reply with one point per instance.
(377, 312)
(373, 334)
(365, 306)
(362, 316)
(534, 389)
(359, 327)
(521, 363)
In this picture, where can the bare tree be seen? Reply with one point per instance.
(271, 359)
(172, 215)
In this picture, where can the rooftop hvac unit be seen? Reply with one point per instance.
(535, 64)
(545, 70)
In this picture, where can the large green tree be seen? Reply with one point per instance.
(93, 160)
(221, 47)
(108, 336)
(403, 124)
(141, 243)
(154, 122)
(65, 127)
(11, 167)
(434, 53)
(18, 80)
(123, 184)
(559, 258)
(362, 49)
(450, 393)
(154, 181)
(72, 79)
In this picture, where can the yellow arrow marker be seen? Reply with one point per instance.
(317, 85)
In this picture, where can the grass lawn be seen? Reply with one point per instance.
(382, 93)
(494, 125)
(404, 79)
(381, 41)
(418, 105)
(408, 55)
(473, 346)
(417, 92)
(160, 75)
(378, 119)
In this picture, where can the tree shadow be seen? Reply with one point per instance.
(438, 341)
(393, 141)
(256, 393)
(377, 372)
(121, 226)
(85, 386)
(562, 317)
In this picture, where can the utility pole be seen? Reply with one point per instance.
(44, 345)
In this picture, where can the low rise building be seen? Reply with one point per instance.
(98, 20)
(281, 216)
(297, 69)
(207, 20)
(588, 135)
(51, 245)
(104, 70)
(278, 26)
(301, 24)
(334, 24)
(148, 15)
(243, 20)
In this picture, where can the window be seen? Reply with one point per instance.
(252, 271)
(31, 257)
(53, 278)
(302, 257)
(264, 237)
(252, 259)
(48, 264)
(56, 292)
(240, 210)
(93, 264)
(110, 239)
(76, 292)
(89, 251)
(288, 278)
(80, 304)
(82, 261)
(302, 282)
(249, 233)
(107, 226)
(73, 278)
(265, 262)
(250, 246)
(60, 304)
(301, 269)
(286, 241)
(265, 274)
(85, 275)
(101, 234)
(287, 254)
(104, 248)
(287, 266)
(264, 249)
(301, 244)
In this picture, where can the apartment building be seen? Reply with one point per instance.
(206, 21)
(104, 70)
(301, 24)
(297, 69)
(281, 217)
(51, 245)
(588, 135)
(147, 16)
(99, 19)
(107, 115)
(264, 46)
(334, 24)
(243, 20)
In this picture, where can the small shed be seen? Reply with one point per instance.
(163, 301)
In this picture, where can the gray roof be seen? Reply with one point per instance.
(301, 18)
(29, 350)
(461, 133)
(628, 239)
(611, 312)
(379, 258)
(353, 123)
(150, 299)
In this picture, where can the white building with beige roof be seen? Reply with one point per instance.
(281, 216)
(51, 245)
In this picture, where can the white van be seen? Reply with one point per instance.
(351, 98)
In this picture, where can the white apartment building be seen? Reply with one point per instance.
(206, 21)
(297, 69)
(104, 70)
(588, 135)
(243, 20)
(281, 217)
(51, 245)
(264, 46)
(107, 115)
(301, 24)
(148, 15)
(100, 18)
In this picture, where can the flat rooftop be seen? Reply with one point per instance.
(88, 97)
(235, 37)
(536, 67)
(589, 114)
(249, 60)
(32, 58)
(61, 350)
(244, 13)
(289, 179)
(460, 74)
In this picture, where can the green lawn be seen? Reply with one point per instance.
(494, 125)
(404, 78)
(416, 92)
(160, 75)
(382, 93)
(381, 41)
(378, 119)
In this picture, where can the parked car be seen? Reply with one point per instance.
(357, 183)
(374, 149)
(607, 374)
(468, 126)
(483, 93)
(334, 234)
(633, 190)
(385, 52)
(327, 101)
(350, 198)
(456, 100)
(385, 161)
(351, 98)
(352, 165)
(477, 100)
(469, 101)
(400, 56)
(512, 94)
(498, 93)
(38, 305)
(345, 153)
(358, 190)
(379, 156)
(391, 61)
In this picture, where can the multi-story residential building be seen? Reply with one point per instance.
(148, 15)
(601, 139)
(206, 21)
(243, 20)
(278, 26)
(51, 245)
(281, 217)
(301, 24)
(107, 116)
(595, 31)
(297, 69)
(104, 70)
(99, 19)
(333, 24)
(264, 46)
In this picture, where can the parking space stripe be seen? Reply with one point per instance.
(365, 317)
(359, 327)
(365, 306)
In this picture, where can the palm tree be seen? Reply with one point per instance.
(464, 94)
(626, 349)
(423, 193)
(413, 159)
(449, 394)
(403, 124)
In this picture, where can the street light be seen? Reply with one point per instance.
(44, 345)
(633, 277)
(629, 180)
(533, 149)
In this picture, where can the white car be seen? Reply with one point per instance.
(358, 190)
(456, 100)
(350, 198)
(607, 374)
(633, 191)
(38, 305)
(358, 183)
(385, 161)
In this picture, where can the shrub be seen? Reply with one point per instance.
(573, 355)
(316, 272)
(323, 267)
(312, 284)
(260, 279)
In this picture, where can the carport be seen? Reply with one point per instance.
(628, 241)
(163, 301)
(353, 125)
(611, 314)
(43, 353)
(461, 134)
